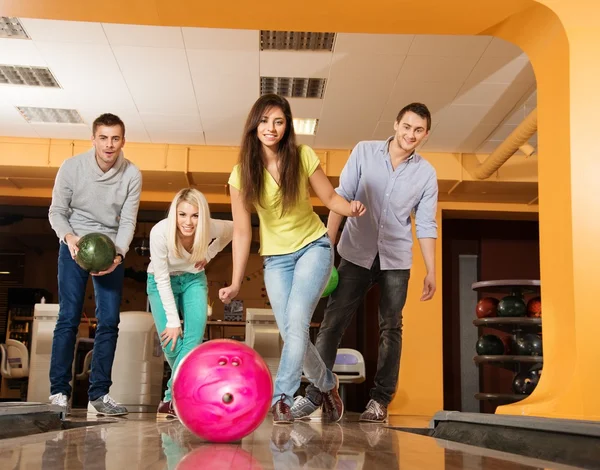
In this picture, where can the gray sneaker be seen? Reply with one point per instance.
(106, 406)
(375, 413)
(303, 408)
(60, 399)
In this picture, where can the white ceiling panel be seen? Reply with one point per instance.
(226, 84)
(395, 44)
(434, 69)
(295, 64)
(172, 122)
(64, 31)
(143, 36)
(306, 108)
(20, 52)
(63, 131)
(488, 94)
(502, 70)
(134, 127)
(306, 140)
(352, 108)
(501, 48)
(440, 45)
(89, 73)
(221, 39)
(159, 136)
(158, 79)
(11, 128)
(434, 97)
(36, 96)
(383, 130)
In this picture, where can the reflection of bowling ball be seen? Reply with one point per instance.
(96, 253)
(534, 307)
(218, 457)
(528, 344)
(487, 307)
(525, 382)
(489, 345)
(332, 283)
(222, 390)
(512, 306)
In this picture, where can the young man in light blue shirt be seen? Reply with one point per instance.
(393, 181)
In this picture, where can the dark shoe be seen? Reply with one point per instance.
(166, 410)
(303, 408)
(281, 412)
(375, 413)
(333, 406)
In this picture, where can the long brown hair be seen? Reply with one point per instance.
(251, 163)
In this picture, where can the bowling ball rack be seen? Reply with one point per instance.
(509, 329)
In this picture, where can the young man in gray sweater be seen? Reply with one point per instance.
(96, 191)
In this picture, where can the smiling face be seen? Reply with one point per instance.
(187, 219)
(411, 129)
(108, 142)
(271, 128)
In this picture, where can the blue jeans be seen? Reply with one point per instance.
(294, 284)
(72, 281)
(191, 295)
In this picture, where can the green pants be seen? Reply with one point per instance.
(191, 295)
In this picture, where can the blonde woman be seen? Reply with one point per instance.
(180, 247)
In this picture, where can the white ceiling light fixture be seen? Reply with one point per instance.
(11, 28)
(50, 115)
(296, 41)
(27, 76)
(305, 126)
(293, 87)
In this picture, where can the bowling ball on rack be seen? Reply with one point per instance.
(534, 307)
(529, 344)
(222, 390)
(512, 306)
(489, 345)
(487, 307)
(525, 382)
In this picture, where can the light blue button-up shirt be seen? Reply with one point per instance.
(390, 197)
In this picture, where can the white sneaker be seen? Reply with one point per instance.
(60, 399)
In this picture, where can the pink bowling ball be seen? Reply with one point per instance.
(222, 390)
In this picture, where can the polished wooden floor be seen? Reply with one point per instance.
(138, 441)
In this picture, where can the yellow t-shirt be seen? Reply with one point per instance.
(299, 226)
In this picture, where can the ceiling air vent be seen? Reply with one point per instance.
(50, 115)
(296, 41)
(11, 28)
(27, 76)
(293, 87)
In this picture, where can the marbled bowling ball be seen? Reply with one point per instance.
(528, 344)
(489, 345)
(512, 306)
(534, 307)
(487, 307)
(222, 390)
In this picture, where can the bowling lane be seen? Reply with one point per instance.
(139, 442)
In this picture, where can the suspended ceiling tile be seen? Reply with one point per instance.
(20, 52)
(393, 44)
(143, 35)
(435, 69)
(158, 79)
(441, 45)
(303, 64)
(221, 39)
(78, 32)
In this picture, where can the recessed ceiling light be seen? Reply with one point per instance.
(27, 76)
(50, 115)
(11, 28)
(296, 40)
(305, 126)
(293, 87)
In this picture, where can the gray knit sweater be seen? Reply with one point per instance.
(85, 199)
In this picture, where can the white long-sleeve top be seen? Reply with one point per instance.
(163, 263)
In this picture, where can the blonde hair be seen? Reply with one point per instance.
(202, 233)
